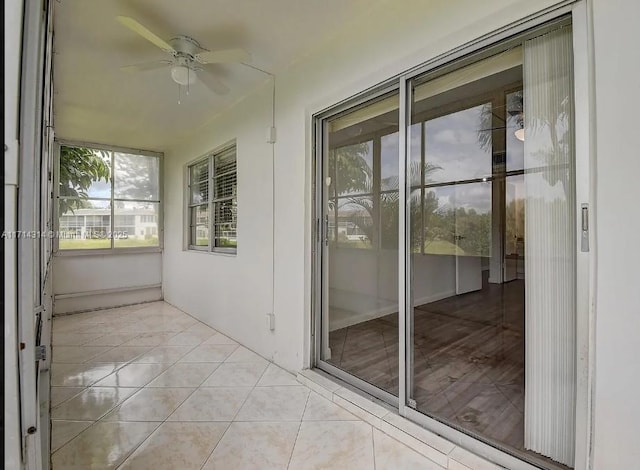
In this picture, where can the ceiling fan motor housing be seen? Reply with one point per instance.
(183, 69)
(186, 46)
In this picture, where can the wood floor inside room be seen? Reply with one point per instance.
(468, 359)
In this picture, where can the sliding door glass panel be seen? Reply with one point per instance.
(360, 259)
(493, 262)
(457, 146)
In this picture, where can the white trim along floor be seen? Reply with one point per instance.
(150, 387)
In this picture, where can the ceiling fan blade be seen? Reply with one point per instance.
(212, 82)
(222, 57)
(146, 66)
(136, 27)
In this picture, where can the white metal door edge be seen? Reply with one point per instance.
(585, 122)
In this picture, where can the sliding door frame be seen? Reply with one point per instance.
(320, 255)
(578, 13)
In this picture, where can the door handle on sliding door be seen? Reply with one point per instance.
(326, 230)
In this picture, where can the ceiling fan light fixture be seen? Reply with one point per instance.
(183, 75)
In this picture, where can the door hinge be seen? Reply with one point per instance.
(41, 353)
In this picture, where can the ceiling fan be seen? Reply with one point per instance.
(188, 58)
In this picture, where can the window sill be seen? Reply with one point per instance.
(103, 252)
(205, 251)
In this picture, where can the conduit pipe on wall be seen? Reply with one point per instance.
(271, 139)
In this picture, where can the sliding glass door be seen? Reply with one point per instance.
(467, 188)
(360, 206)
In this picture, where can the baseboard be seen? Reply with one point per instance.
(355, 318)
(104, 299)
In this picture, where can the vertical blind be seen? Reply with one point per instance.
(550, 374)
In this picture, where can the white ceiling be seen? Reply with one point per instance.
(97, 102)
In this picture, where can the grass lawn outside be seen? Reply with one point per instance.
(442, 247)
(102, 243)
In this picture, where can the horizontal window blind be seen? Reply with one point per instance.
(212, 201)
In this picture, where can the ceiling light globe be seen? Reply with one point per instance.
(182, 75)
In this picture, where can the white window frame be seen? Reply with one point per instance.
(209, 157)
(113, 249)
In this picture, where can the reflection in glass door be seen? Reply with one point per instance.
(360, 205)
(480, 222)
(493, 262)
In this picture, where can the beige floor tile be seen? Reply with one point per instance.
(219, 338)
(77, 354)
(150, 404)
(242, 354)
(320, 409)
(133, 375)
(196, 381)
(113, 339)
(239, 374)
(254, 446)
(92, 403)
(209, 353)
(76, 339)
(157, 325)
(275, 375)
(392, 455)
(183, 446)
(202, 327)
(102, 328)
(333, 444)
(74, 375)
(61, 394)
(121, 354)
(189, 338)
(156, 338)
(212, 404)
(63, 431)
(80, 326)
(102, 446)
(164, 354)
(185, 374)
(274, 404)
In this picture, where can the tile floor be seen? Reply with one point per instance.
(149, 387)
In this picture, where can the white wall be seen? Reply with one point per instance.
(234, 293)
(617, 63)
(88, 281)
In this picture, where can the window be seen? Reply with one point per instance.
(212, 202)
(107, 199)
